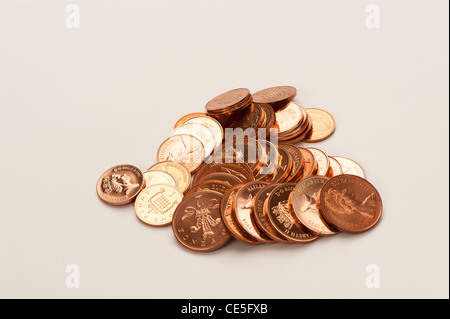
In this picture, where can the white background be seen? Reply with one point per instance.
(74, 102)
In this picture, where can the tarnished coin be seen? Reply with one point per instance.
(200, 131)
(156, 204)
(310, 164)
(120, 184)
(212, 124)
(335, 166)
(304, 198)
(260, 214)
(189, 116)
(158, 177)
(275, 96)
(281, 216)
(323, 125)
(350, 203)
(184, 149)
(211, 185)
(178, 171)
(349, 166)
(243, 207)
(229, 218)
(322, 159)
(197, 222)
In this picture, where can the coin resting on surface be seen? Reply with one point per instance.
(197, 222)
(178, 171)
(349, 166)
(120, 184)
(323, 125)
(275, 96)
(158, 177)
(200, 131)
(156, 204)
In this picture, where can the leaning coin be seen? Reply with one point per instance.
(156, 204)
(120, 184)
(349, 166)
(323, 125)
(178, 171)
(212, 124)
(322, 160)
(350, 203)
(200, 131)
(197, 222)
(335, 167)
(159, 177)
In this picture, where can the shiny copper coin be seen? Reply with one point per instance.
(212, 124)
(211, 185)
(178, 171)
(197, 222)
(229, 218)
(250, 118)
(231, 169)
(323, 125)
(158, 177)
(269, 161)
(227, 101)
(184, 149)
(156, 204)
(200, 131)
(322, 160)
(349, 166)
(120, 184)
(243, 207)
(350, 203)
(275, 96)
(206, 168)
(242, 149)
(260, 215)
(297, 161)
(289, 117)
(300, 137)
(335, 166)
(284, 166)
(269, 119)
(189, 116)
(304, 199)
(228, 178)
(310, 163)
(281, 216)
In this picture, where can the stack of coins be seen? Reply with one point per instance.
(212, 186)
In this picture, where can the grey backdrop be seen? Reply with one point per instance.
(74, 102)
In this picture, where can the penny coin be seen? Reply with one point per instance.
(158, 177)
(349, 166)
(226, 101)
(284, 166)
(156, 204)
(335, 166)
(269, 161)
(184, 149)
(304, 198)
(242, 149)
(269, 121)
(310, 163)
(178, 171)
(212, 185)
(260, 215)
(197, 222)
(323, 125)
(281, 216)
(243, 207)
(275, 96)
(229, 218)
(189, 116)
(200, 131)
(297, 161)
(250, 118)
(289, 117)
(206, 168)
(224, 177)
(212, 124)
(120, 184)
(350, 203)
(231, 169)
(322, 160)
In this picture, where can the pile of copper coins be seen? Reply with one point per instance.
(235, 172)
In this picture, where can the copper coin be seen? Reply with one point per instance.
(269, 121)
(250, 118)
(189, 116)
(178, 171)
(206, 168)
(275, 96)
(120, 184)
(310, 163)
(224, 177)
(289, 117)
(322, 160)
(350, 203)
(231, 169)
(158, 177)
(229, 218)
(200, 131)
(243, 149)
(304, 198)
(215, 127)
(243, 207)
(335, 166)
(297, 161)
(260, 215)
(269, 161)
(226, 101)
(197, 222)
(349, 166)
(284, 166)
(281, 216)
(323, 125)
(156, 204)
(211, 185)
(184, 149)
